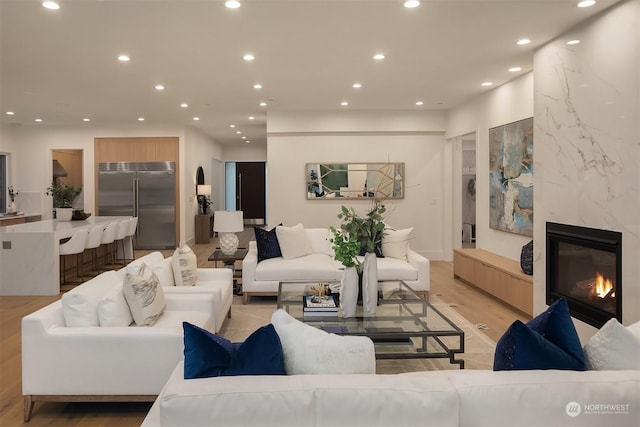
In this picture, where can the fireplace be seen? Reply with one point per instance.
(584, 265)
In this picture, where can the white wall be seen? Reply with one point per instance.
(199, 150)
(415, 138)
(587, 142)
(505, 104)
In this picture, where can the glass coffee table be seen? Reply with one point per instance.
(405, 326)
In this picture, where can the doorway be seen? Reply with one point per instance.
(250, 191)
(469, 190)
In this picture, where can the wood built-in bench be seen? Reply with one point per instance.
(496, 275)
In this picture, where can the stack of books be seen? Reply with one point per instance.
(320, 307)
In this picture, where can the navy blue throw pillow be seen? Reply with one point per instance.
(549, 341)
(209, 355)
(267, 243)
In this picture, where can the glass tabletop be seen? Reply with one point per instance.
(399, 310)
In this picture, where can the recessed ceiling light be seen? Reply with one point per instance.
(378, 56)
(232, 4)
(38, 120)
(419, 103)
(523, 42)
(586, 3)
(159, 87)
(248, 57)
(356, 85)
(244, 137)
(232, 126)
(196, 118)
(251, 118)
(9, 113)
(263, 104)
(257, 86)
(238, 132)
(86, 119)
(487, 84)
(247, 141)
(141, 119)
(344, 103)
(572, 42)
(184, 105)
(51, 5)
(515, 69)
(410, 4)
(124, 58)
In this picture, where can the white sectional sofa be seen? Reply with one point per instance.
(436, 398)
(75, 362)
(263, 278)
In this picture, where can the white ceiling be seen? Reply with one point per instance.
(61, 65)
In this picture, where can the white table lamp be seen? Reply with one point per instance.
(227, 223)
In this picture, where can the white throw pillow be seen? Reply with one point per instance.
(395, 243)
(293, 241)
(143, 294)
(308, 350)
(80, 305)
(164, 272)
(113, 309)
(185, 266)
(613, 347)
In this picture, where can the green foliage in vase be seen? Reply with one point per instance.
(63, 194)
(358, 232)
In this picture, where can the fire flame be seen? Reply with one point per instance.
(603, 286)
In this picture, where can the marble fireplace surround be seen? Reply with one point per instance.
(587, 143)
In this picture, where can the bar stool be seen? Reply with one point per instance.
(93, 243)
(74, 246)
(121, 233)
(108, 237)
(133, 225)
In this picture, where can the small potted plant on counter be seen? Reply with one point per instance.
(63, 198)
(12, 197)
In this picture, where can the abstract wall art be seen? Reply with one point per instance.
(511, 177)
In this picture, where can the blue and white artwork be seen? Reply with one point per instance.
(511, 177)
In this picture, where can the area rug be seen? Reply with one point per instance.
(478, 348)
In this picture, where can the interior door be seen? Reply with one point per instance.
(250, 191)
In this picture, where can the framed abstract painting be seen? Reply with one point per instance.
(511, 177)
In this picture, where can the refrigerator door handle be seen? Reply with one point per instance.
(136, 204)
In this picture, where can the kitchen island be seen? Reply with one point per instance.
(30, 254)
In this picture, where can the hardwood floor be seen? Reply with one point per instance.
(473, 304)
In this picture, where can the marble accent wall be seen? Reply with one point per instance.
(587, 141)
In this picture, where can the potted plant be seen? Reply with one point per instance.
(359, 235)
(12, 196)
(63, 198)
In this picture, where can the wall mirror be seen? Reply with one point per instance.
(354, 180)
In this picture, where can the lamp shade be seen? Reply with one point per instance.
(228, 221)
(203, 190)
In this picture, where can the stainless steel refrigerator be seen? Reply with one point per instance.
(145, 190)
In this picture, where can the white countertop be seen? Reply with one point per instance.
(61, 229)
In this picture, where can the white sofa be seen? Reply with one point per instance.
(64, 363)
(263, 278)
(215, 281)
(119, 363)
(435, 398)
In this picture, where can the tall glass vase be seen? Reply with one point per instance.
(349, 292)
(370, 283)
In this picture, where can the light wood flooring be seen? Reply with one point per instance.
(471, 303)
